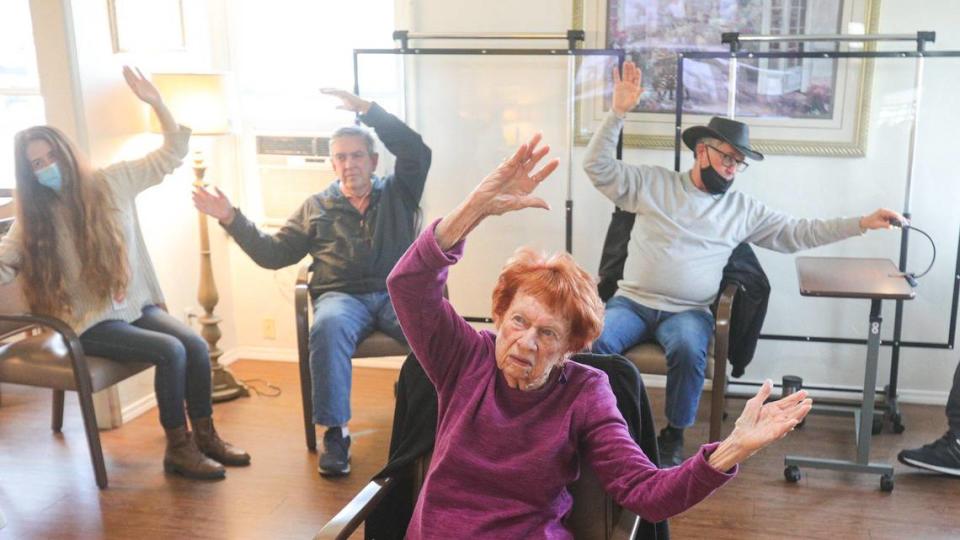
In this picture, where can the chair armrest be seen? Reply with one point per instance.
(70, 340)
(721, 338)
(356, 511)
(724, 309)
(721, 343)
(32, 320)
(301, 289)
(626, 527)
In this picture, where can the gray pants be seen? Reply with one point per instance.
(953, 404)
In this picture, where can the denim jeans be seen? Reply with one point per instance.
(340, 322)
(684, 337)
(180, 354)
(953, 403)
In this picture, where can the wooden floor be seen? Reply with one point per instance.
(47, 489)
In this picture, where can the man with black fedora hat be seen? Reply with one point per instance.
(687, 226)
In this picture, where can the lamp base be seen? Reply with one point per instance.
(226, 386)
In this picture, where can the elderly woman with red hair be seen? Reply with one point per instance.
(516, 418)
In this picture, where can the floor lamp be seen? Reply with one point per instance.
(199, 100)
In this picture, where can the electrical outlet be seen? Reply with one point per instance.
(269, 329)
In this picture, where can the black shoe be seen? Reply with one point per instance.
(335, 459)
(942, 456)
(670, 446)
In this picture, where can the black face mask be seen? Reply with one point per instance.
(713, 181)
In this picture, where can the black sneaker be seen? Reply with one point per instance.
(335, 459)
(942, 456)
(670, 446)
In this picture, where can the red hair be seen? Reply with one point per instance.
(559, 284)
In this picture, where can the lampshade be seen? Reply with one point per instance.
(197, 100)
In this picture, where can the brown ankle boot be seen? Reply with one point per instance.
(214, 447)
(183, 457)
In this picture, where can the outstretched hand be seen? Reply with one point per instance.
(761, 424)
(507, 189)
(882, 218)
(142, 87)
(626, 90)
(510, 186)
(349, 101)
(216, 205)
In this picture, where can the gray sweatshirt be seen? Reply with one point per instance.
(682, 236)
(127, 179)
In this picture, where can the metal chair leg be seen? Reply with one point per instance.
(56, 423)
(93, 437)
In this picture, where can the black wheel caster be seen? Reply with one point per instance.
(792, 473)
(886, 483)
(877, 425)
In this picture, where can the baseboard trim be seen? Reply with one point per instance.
(138, 407)
(276, 354)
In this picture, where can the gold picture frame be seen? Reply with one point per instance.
(837, 129)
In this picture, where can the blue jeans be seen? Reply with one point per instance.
(180, 354)
(684, 337)
(340, 322)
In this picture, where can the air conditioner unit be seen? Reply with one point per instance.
(291, 168)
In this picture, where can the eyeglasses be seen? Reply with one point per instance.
(730, 161)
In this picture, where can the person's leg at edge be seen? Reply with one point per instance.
(942, 455)
(124, 342)
(340, 322)
(198, 386)
(685, 337)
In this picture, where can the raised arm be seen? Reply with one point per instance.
(434, 330)
(413, 156)
(131, 177)
(656, 494)
(617, 180)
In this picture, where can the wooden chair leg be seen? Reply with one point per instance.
(93, 437)
(306, 392)
(56, 424)
(718, 398)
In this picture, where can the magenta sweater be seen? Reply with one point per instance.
(503, 457)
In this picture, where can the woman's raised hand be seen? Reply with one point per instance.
(142, 87)
(507, 189)
(510, 186)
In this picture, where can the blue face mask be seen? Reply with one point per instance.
(49, 176)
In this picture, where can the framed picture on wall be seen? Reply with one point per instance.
(794, 106)
(146, 25)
